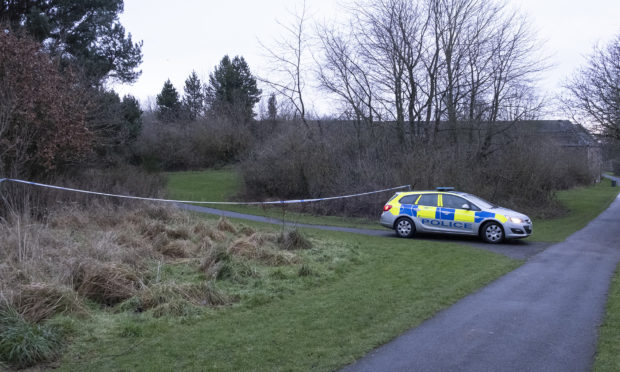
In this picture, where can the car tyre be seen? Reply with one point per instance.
(492, 233)
(405, 228)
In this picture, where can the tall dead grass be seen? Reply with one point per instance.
(106, 254)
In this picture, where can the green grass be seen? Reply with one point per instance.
(363, 293)
(225, 184)
(23, 344)
(209, 185)
(607, 355)
(583, 204)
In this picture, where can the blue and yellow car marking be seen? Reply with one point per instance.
(427, 213)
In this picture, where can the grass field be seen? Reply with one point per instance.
(607, 355)
(322, 324)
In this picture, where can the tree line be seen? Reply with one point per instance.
(231, 91)
(429, 68)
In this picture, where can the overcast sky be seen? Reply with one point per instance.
(188, 35)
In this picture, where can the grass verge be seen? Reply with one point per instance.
(583, 204)
(325, 323)
(607, 356)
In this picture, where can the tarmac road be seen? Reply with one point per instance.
(541, 317)
(519, 249)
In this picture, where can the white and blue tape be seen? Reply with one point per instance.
(295, 201)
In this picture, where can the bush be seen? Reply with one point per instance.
(518, 173)
(43, 126)
(192, 145)
(24, 344)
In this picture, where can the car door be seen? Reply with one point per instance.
(454, 217)
(427, 212)
(407, 205)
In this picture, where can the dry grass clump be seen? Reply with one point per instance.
(179, 232)
(213, 260)
(177, 249)
(204, 230)
(293, 240)
(151, 229)
(217, 235)
(40, 301)
(243, 247)
(106, 254)
(263, 238)
(68, 218)
(224, 225)
(247, 230)
(106, 283)
(200, 294)
(177, 299)
(250, 249)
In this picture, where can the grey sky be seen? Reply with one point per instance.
(194, 35)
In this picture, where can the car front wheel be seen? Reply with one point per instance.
(492, 233)
(404, 227)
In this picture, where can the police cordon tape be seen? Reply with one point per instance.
(295, 201)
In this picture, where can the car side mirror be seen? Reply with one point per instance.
(465, 206)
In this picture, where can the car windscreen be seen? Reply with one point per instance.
(480, 202)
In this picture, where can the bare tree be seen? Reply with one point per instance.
(594, 91)
(287, 59)
(341, 71)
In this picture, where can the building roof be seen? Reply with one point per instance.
(563, 132)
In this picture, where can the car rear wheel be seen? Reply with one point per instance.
(492, 232)
(405, 228)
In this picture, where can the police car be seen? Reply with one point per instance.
(447, 211)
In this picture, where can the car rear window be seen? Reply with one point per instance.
(409, 199)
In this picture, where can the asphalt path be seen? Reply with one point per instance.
(542, 316)
(613, 178)
(519, 249)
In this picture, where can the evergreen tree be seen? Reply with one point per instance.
(193, 99)
(272, 107)
(168, 105)
(232, 89)
(115, 123)
(83, 32)
(132, 113)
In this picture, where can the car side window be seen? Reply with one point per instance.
(453, 201)
(428, 200)
(409, 199)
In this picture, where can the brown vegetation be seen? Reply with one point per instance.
(42, 112)
(516, 173)
(113, 255)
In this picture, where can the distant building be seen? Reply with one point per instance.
(574, 138)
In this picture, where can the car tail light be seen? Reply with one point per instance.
(387, 207)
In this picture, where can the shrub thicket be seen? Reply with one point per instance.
(199, 144)
(340, 160)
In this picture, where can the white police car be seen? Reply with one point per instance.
(447, 211)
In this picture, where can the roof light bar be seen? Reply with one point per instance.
(444, 188)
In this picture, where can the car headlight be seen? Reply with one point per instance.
(515, 220)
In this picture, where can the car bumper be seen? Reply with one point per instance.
(517, 231)
(387, 220)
